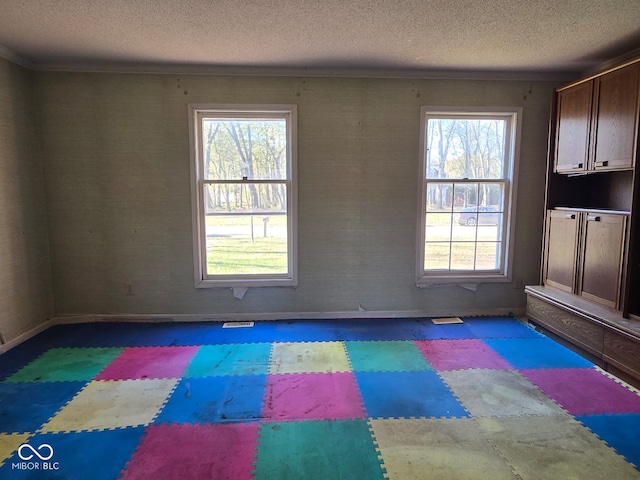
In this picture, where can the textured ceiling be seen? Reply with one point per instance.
(407, 35)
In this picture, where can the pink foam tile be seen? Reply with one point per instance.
(312, 396)
(149, 362)
(584, 391)
(169, 452)
(461, 354)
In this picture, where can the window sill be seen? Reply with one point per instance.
(469, 282)
(242, 283)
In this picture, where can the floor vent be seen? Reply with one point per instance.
(446, 321)
(237, 324)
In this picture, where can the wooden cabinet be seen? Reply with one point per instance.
(597, 123)
(573, 128)
(586, 334)
(561, 242)
(602, 257)
(590, 271)
(589, 246)
(616, 121)
(623, 352)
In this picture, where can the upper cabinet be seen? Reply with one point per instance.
(596, 124)
(573, 128)
(616, 120)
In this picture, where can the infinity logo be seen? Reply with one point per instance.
(37, 453)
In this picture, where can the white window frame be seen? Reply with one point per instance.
(198, 182)
(513, 115)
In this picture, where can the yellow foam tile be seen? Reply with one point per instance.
(311, 357)
(554, 447)
(9, 443)
(113, 404)
(413, 449)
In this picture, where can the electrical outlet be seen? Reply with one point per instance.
(518, 284)
(129, 289)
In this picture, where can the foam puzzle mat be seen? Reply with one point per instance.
(489, 398)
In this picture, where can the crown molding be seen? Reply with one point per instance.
(339, 72)
(13, 57)
(614, 62)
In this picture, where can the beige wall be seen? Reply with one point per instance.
(117, 173)
(26, 299)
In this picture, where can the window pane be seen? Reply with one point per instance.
(246, 244)
(465, 148)
(488, 255)
(465, 195)
(463, 255)
(246, 229)
(439, 197)
(251, 148)
(491, 195)
(438, 227)
(245, 198)
(467, 165)
(436, 256)
(488, 232)
(464, 232)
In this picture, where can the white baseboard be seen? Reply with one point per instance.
(268, 316)
(14, 342)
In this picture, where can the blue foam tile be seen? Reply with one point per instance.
(306, 331)
(25, 407)
(382, 329)
(16, 358)
(499, 327)
(93, 334)
(175, 334)
(229, 359)
(541, 352)
(620, 431)
(166, 334)
(407, 394)
(129, 334)
(215, 400)
(271, 331)
(98, 455)
(453, 331)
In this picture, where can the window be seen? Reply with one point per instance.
(244, 195)
(468, 162)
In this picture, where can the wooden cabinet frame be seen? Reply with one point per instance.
(590, 272)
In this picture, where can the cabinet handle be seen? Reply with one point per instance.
(572, 216)
(575, 166)
(602, 164)
(593, 218)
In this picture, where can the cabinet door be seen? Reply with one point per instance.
(561, 249)
(573, 128)
(604, 236)
(616, 119)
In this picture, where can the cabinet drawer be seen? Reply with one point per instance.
(579, 331)
(622, 353)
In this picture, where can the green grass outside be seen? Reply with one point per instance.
(232, 251)
(239, 254)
